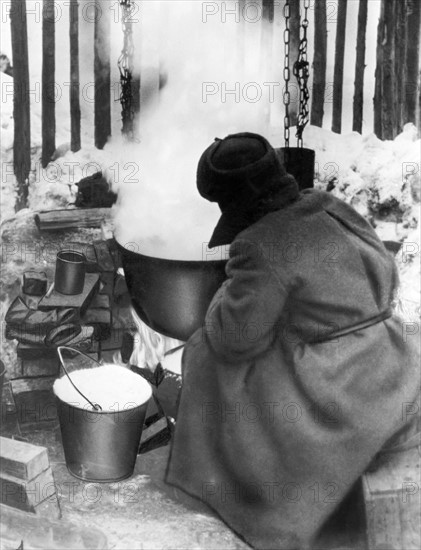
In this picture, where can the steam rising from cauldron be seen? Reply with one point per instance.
(159, 211)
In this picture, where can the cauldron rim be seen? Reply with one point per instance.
(173, 261)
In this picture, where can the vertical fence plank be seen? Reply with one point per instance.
(48, 82)
(400, 40)
(21, 105)
(75, 143)
(338, 71)
(319, 64)
(377, 106)
(268, 10)
(387, 98)
(102, 72)
(412, 59)
(293, 56)
(357, 114)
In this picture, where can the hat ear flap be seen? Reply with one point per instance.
(204, 177)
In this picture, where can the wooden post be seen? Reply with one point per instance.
(357, 121)
(412, 58)
(75, 142)
(400, 41)
(102, 74)
(377, 100)
(240, 37)
(319, 64)
(293, 56)
(21, 105)
(388, 89)
(268, 10)
(48, 82)
(266, 50)
(338, 74)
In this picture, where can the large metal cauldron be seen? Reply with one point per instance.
(171, 296)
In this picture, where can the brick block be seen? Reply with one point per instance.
(22, 460)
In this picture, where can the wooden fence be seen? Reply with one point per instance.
(397, 85)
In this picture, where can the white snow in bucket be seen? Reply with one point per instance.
(111, 386)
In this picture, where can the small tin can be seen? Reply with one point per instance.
(70, 272)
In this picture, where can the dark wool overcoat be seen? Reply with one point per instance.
(279, 415)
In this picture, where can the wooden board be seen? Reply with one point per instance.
(22, 460)
(100, 301)
(34, 368)
(29, 353)
(104, 258)
(79, 301)
(393, 502)
(35, 402)
(9, 425)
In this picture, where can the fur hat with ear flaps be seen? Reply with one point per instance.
(240, 173)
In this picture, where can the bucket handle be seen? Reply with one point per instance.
(95, 406)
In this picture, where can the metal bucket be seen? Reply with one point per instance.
(299, 162)
(171, 296)
(100, 446)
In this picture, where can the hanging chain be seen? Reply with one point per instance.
(286, 95)
(125, 66)
(301, 72)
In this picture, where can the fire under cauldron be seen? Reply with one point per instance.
(171, 296)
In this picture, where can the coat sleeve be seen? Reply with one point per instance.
(243, 317)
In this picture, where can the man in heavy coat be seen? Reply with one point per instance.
(300, 373)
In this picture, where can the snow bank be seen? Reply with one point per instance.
(381, 180)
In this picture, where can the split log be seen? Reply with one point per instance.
(54, 220)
